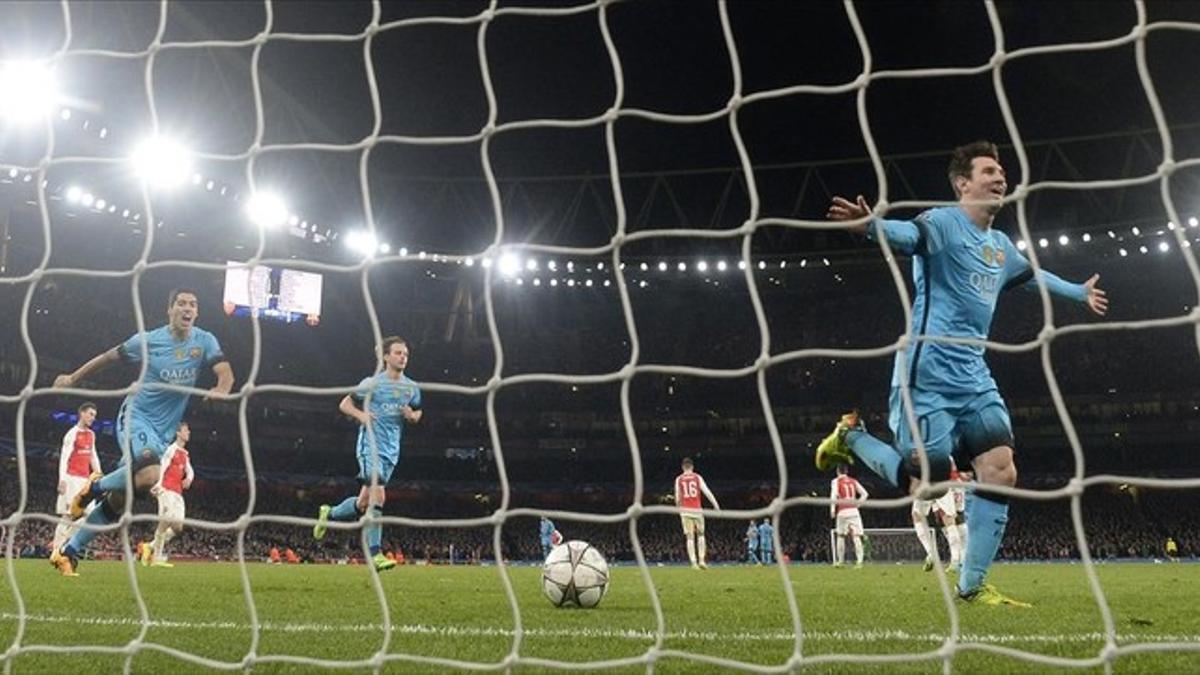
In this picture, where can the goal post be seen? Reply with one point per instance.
(885, 545)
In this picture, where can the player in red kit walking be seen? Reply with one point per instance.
(846, 493)
(77, 461)
(175, 477)
(689, 485)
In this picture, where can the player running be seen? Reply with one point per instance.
(960, 266)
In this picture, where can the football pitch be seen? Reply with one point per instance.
(332, 613)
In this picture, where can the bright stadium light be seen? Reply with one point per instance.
(1086, 237)
(662, 266)
(741, 264)
(1043, 242)
(162, 162)
(1193, 222)
(1164, 246)
(682, 267)
(87, 199)
(509, 264)
(266, 209)
(762, 264)
(1123, 252)
(1135, 230)
(702, 266)
(1063, 240)
(531, 264)
(27, 91)
(721, 266)
(1021, 245)
(74, 194)
(552, 265)
(361, 242)
(385, 248)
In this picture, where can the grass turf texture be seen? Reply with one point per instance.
(739, 613)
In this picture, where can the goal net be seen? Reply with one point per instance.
(351, 102)
(884, 545)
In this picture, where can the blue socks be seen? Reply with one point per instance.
(84, 536)
(111, 482)
(877, 455)
(345, 510)
(374, 530)
(987, 516)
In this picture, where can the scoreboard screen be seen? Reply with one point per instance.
(273, 293)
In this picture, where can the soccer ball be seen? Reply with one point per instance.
(575, 573)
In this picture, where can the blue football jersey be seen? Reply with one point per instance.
(958, 271)
(170, 361)
(387, 398)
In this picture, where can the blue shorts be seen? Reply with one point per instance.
(366, 462)
(143, 440)
(966, 425)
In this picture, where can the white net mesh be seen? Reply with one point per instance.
(738, 100)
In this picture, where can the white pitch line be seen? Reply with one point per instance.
(603, 634)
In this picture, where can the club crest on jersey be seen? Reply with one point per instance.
(194, 353)
(993, 256)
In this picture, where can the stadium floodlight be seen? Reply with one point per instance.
(1193, 222)
(361, 242)
(741, 264)
(403, 250)
(1123, 252)
(385, 248)
(762, 264)
(12, 173)
(1143, 249)
(552, 265)
(1043, 242)
(662, 266)
(607, 283)
(74, 193)
(1135, 230)
(702, 266)
(1063, 240)
(588, 283)
(27, 91)
(161, 162)
(266, 209)
(1021, 245)
(510, 264)
(721, 266)
(470, 262)
(1086, 237)
(643, 267)
(100, 204)
(554, 282)
(87, 199)
(1170, 225)
(531, 264)
(1164, 246)
(682, 267)
(65, 113)
(537, 281)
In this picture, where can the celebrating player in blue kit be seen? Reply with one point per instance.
(960, 265)
(389, 400)
(148, 418)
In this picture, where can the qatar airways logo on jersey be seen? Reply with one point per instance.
(984, 284)
(177, 375)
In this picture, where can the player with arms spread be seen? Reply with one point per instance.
(77, 463)
(390, 400)
(175, 477)
(149, 417)
(689, 485)
(960, 266)
(846, 494)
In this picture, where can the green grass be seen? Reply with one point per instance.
(737, 613)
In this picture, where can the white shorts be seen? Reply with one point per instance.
(946, 504)
(74, 485)
(692, 524)
(921, 507)
(849, 522)
(170, 506)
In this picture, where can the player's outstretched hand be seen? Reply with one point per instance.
(1097, 299)
(844, 209)
(64, 381)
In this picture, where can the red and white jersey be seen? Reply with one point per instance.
(78, 453)
(688, 488)
(176, 467)
(846, 493)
